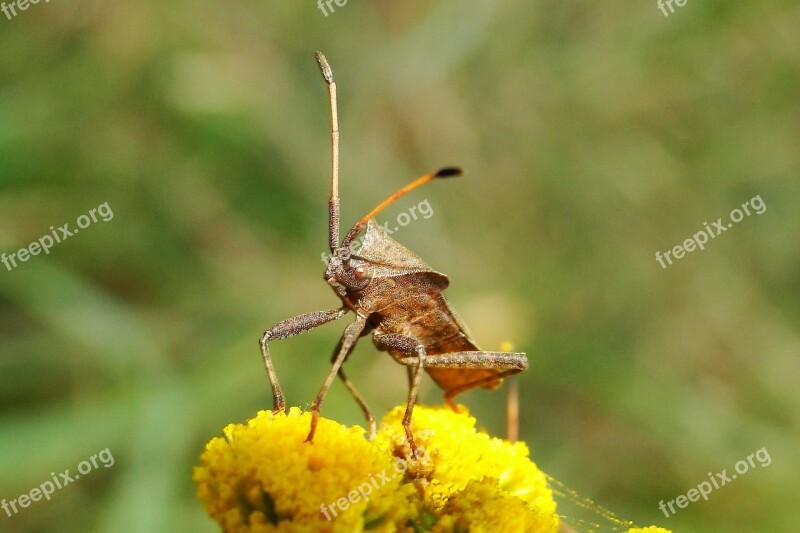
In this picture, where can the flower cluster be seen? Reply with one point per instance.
(263, 477)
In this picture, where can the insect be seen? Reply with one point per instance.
(396, 297)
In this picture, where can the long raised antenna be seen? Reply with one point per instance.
(333, 203)
(448, 172)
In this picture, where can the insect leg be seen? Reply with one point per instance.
(351, 334)
(289, 328)
(504, 363)
(371, 426)
(417, 362)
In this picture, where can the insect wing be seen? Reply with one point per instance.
(389, 258)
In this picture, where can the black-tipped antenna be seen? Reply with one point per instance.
(447, 172)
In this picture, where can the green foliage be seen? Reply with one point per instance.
(592, 134)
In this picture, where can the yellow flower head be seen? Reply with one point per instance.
(458, 454)
(263, 477)
(483, 507)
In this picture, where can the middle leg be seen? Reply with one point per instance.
(416, 363)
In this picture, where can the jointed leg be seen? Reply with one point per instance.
(289, 328)
(371, 425)
(416, 365)
(351, 334)
(505, 363)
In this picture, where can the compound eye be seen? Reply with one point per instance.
(360, 272)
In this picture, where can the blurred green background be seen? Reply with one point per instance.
(593, 134)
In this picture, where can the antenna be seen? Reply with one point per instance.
(447, 172)
(333, 203)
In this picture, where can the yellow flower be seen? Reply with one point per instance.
(483, 507)
(263, 477)
(458, 454)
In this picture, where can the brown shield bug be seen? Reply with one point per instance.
(396, 297)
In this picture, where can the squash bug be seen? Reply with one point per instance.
(396, 297)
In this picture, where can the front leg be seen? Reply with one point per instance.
(413, 353)
(289, 328)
